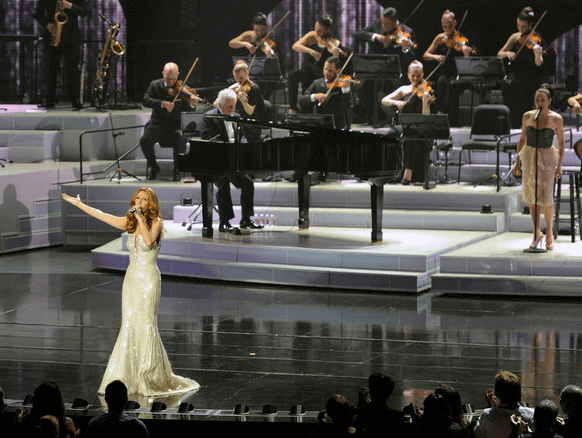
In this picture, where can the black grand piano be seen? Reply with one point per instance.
(369, 156)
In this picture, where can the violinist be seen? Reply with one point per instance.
(319, 44)
(250, 103)
(452, 43)
(386, 35)
(524, 51)
(335, 102)
(256, 41)
(416, 99)
(164, 124)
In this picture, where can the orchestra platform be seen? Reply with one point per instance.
(437, 239)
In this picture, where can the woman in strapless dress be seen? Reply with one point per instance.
(537, 131)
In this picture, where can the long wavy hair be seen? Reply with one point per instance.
(150, 215)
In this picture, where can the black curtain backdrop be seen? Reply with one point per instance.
(187, 29)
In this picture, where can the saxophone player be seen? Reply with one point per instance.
(62, 38)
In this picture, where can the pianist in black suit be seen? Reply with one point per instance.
(219, 130)
(337, 101)
(165, 123)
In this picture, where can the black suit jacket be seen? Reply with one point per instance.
(376, 47)
(44, 13)
(153, 98)
(337, 102)
(215, 129)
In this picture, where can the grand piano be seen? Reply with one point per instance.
(368, 156)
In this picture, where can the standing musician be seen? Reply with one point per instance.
(335, 102)
(413, 98)
(221, 130)
(254, 40)
(452, 43)
(250, 103)
(165, 122)
(319, 44)
(526, 70)
(61, 38)
(386, 35)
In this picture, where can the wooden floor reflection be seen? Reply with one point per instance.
(59, 319)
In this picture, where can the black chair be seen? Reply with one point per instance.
(490, 130)
(575, 205)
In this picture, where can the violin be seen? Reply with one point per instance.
(267, 45)
(339, 83)
(330, 43)
(185, 92)
(457, 41)
(399, 35)
(424, 88)
(530, 41)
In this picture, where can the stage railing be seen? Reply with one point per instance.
(94, 131)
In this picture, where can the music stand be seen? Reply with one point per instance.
(378, 68)
(479, 70)
(425, 127)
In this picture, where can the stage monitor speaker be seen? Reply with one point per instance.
(151, 56)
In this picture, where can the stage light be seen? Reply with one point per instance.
(79, 403)
(28, 399)
(158, 407)
(486, 209)
(269, 410)
(185, 407)
(241, 409)
(132, 405)
(297, 409)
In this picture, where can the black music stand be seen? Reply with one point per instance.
(377, 68)
(425, 127)
(479, 70)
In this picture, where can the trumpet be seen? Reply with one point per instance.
(61, 18)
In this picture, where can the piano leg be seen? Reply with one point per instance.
(304, 187)
(377, 198)
(207, 195)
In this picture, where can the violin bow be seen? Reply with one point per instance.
(332, 85)
(268, 34)
(184, 82)
(413, 11)
(531, 33)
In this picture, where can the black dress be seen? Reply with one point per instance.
(414, 149)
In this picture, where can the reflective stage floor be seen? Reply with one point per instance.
(59, 319)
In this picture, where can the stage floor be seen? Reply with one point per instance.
(279, 345)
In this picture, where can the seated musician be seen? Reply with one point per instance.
(319, 44)
(326, 100)
(444, 48)
(220, 130)
(164, 124)
(385, 37)
(250, 103)
(254, 40)
(407, 100)
(574, 104)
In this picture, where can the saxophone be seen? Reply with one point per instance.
(61, 18)
(109, 56)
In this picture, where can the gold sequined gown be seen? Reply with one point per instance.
(139, 358)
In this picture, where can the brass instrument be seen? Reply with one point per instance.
(112, 50)
(61, 18)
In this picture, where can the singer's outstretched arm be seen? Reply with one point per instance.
(521, 144)
(115, 221)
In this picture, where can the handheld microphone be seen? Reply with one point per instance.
(537, 114)
(133, 210)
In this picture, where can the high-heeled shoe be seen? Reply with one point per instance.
(539, 240)
(550, 244)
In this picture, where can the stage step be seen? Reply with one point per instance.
(30, 146)
(505, 285)
(361, 218)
